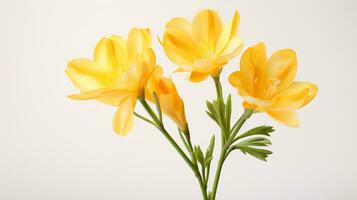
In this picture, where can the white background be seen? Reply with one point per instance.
(53, 148)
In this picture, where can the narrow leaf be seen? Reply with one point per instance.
(229, 110)
(260, 130)
(210, 148)
(199, 154)
(156, 100)
(211, 116)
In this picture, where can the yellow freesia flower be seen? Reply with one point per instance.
(171, 103)
(204, 46)
(267, 85)
(117, 74)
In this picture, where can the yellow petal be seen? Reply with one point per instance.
(119, 52)
(180, 69)
(171, 103)
(124, 117)
(180, 23)
(207, 27)
(311, 94)
(248, 105)
(282, 66)
(233, 48)
(114, 97)
(138, 41)
(130, 79)
(86, 95)
(237, 81)
(152, 83)
(204, 65)
(287, 118)
(228, 32)
(104, 55)
(179, 46)
(197, 76)
(252, 67)
(294, 97)
(85, 81)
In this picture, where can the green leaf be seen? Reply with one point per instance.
(183, 139)
(260, 130)
(199, 154)
(211, 116)
(208, 160)
(210, 107)
(248, 146)
(210, 147)
(229, 110)
(258, 141)
(156, 100)
(261, 154)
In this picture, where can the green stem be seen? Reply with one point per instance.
(218, 85)
(225, 132)
(193, 165)
(247, 113)
(226, 150)
(201, 178)
(218, 173)
(220, 100)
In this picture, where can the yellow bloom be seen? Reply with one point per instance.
(170, 102)
(117, 74)
(267, 85)
(202, 47)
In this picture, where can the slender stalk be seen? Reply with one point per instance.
(218, 85)
(226, 150)
(247, 113)
(227, 136)
(220, 100)
(193, 165)
(218, 173)
(201, 178)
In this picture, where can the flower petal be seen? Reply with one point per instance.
(124, 117)
(86, 95)
(114, 97)
(282, 66)
(82, 75)
(152, 83)
(311, 94)
(294, 97)
(197, 76)
(237, 81)
(104, 55)
(138, 41)
(228, 32)
(252, 67)
(207, 27)
(180, 23)
(288, 118)
(119, 52)
(233, 48)
(248, 105)
(179, 46)
(171, 103)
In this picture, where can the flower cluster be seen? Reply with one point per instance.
(124, 71)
